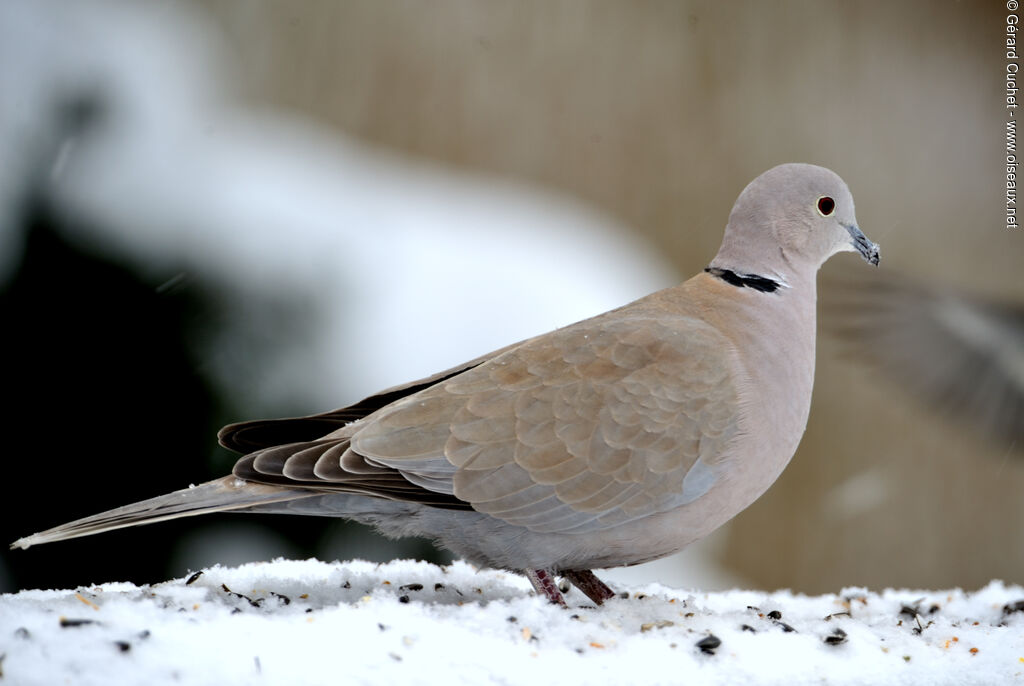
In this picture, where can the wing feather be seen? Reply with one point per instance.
(586, 428)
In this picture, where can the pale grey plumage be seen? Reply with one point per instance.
(613, 441)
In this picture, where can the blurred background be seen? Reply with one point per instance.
(217, 210)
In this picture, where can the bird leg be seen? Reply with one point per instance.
(594, 588)
(543, 581)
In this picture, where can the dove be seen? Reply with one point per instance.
(613, 441)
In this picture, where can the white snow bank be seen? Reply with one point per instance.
(309, 622)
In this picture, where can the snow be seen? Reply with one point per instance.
(311, 622)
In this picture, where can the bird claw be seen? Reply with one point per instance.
(594, 588)
(543, 581)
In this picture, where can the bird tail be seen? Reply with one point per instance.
(220, 495)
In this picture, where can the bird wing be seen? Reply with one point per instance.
(259, 434)
(588, 427)
(962, 354)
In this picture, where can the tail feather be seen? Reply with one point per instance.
(220, 495)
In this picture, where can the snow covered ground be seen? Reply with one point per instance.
(310, 622)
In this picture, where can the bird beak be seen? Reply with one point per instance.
(862, 244)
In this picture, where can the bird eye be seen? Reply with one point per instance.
(826, 205)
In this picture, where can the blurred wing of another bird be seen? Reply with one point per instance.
(960, 353)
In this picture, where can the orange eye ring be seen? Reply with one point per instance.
(826, 205)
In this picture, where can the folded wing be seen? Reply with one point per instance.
(579, 430)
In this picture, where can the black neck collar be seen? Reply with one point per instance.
(758, 283)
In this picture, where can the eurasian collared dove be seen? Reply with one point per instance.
(613, 441)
